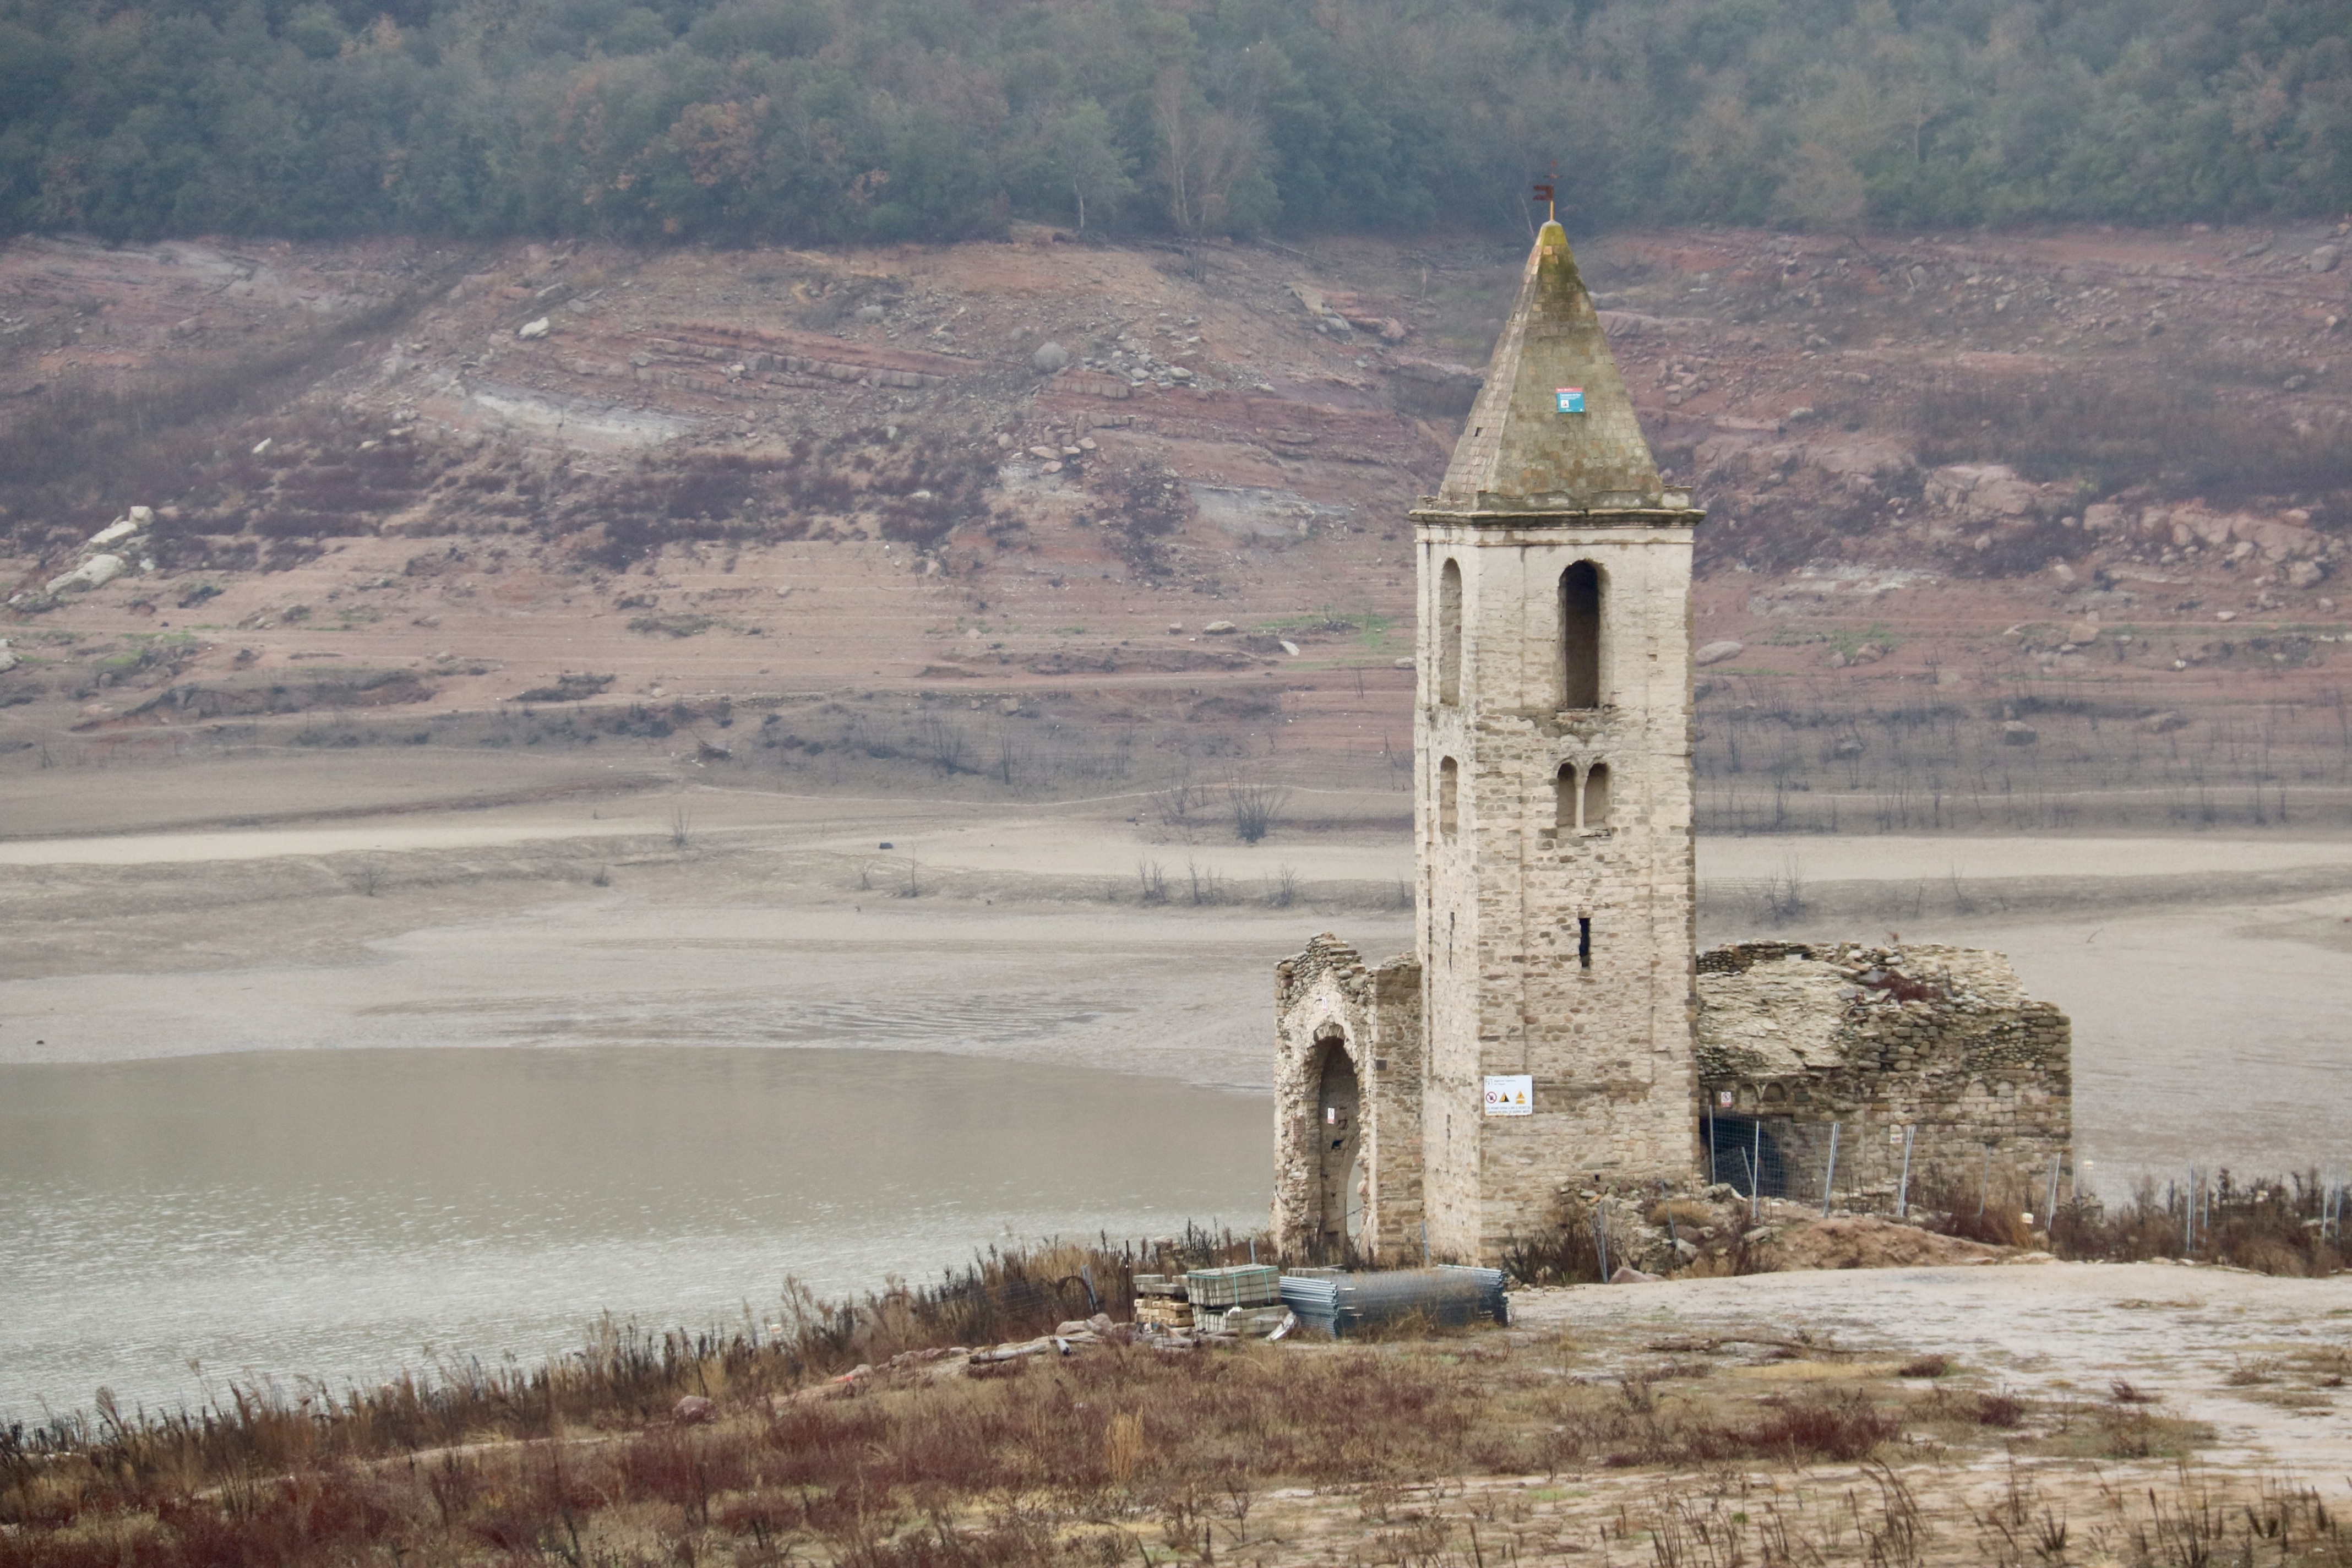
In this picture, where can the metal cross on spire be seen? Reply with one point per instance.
(1543, 194)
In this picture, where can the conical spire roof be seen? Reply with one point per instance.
(1553, 429)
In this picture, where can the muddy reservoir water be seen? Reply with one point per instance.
(335, 1212)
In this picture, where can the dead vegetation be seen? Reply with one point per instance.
(642, 1450)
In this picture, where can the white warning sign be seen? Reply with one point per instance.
(1511, 1094)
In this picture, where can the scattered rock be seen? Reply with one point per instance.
(1867, 1241)
(2305, 574)
(538, 328)
(1049, 358)
(2323, 259)
(871, 312)
(94, 572)
(1220, 628)
(1717, 652)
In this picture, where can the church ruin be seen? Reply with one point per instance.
(1555, 1029)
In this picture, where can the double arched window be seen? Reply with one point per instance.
(1580, 801)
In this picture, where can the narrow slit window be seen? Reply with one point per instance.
(1449, 633)
(1596, 796)
(1563, 796)
(1584, 942)
(1449, 798)
(1580, 593)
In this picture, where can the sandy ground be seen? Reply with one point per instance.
(2049, 1331)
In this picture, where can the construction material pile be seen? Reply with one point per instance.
(1244, 1301)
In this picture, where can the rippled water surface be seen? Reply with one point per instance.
(335, 1212)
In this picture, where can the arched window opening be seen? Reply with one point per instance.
(1596, 796)
(1563, 796)
(1579, 625)
(1449, 633)
(1449, 798)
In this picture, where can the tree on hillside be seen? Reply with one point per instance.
(1086, 157)
(1208, 166)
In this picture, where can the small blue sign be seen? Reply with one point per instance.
(1571, 400)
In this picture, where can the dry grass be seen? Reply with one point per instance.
(1077, 1460)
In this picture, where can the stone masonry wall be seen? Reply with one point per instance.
(1501, 894)
(1939, 1039)
(1327, 1000)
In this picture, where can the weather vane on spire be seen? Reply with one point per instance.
(1543, 193)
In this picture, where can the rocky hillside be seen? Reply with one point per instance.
(1993, 520)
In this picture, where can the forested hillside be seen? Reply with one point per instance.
(822, 121)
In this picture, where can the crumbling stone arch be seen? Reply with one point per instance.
(1341, 1190)
(1347, 1089)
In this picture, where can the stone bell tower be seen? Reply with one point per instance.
(1552, 731)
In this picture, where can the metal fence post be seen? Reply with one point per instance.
(1903, 1188)
(1829, 1178)
(1755, 1167)
(1674, 1240)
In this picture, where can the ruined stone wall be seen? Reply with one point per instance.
(1503, 888)
(1327, 1000)
(1939, 1039)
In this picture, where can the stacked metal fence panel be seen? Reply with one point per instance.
(1447, 1296)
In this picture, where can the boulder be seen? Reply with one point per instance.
(1220, 628)
(1049, 358)
(1628, 1275)
(2305, 575)
(94, 572)
(2163, 723)
(122, 527)
(2017, 732)
(538, 328)
(693, 1411)
(2324, 259)
(1717, 652)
